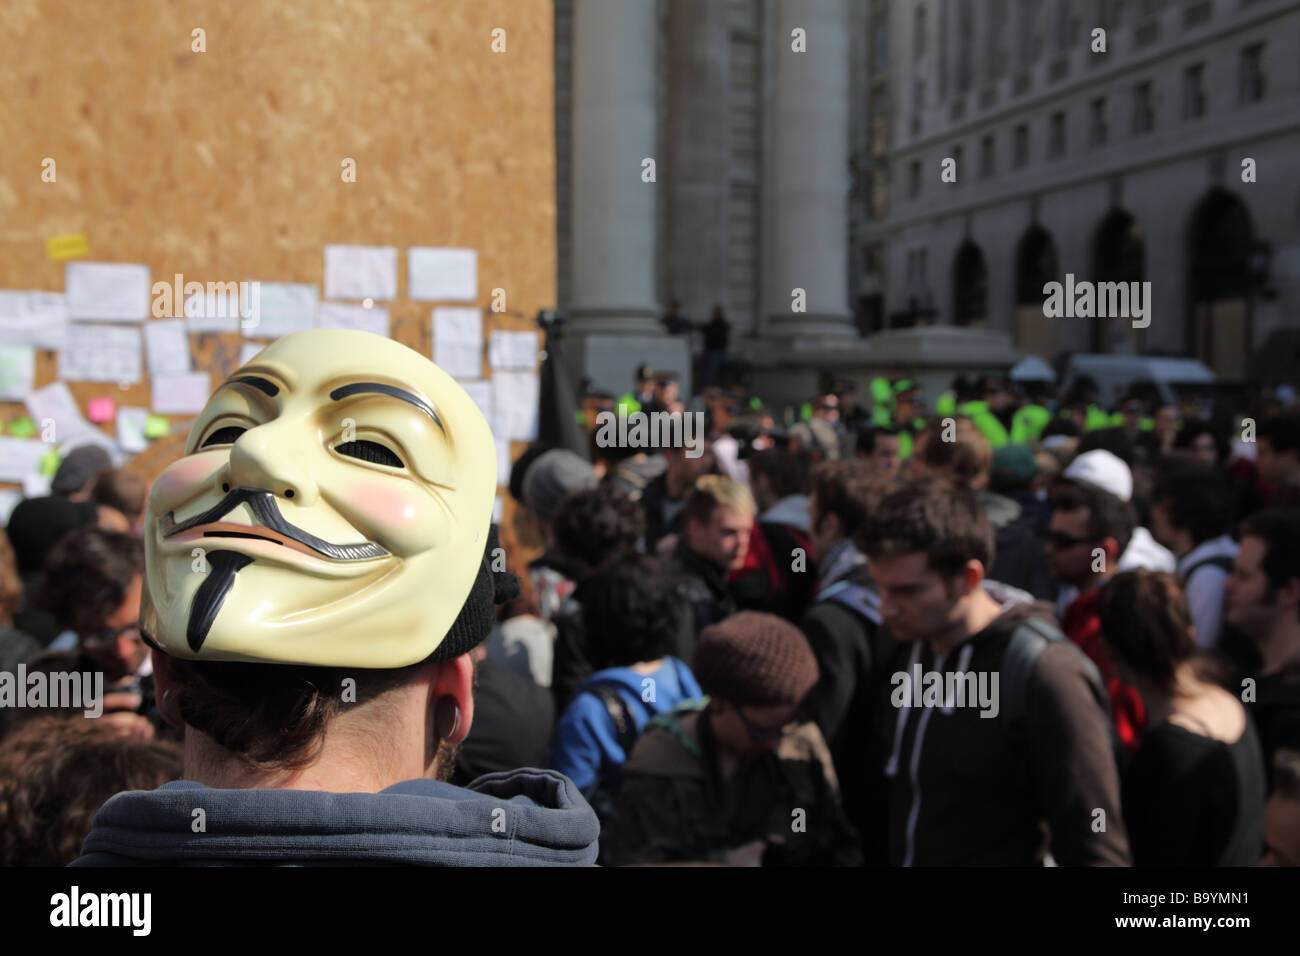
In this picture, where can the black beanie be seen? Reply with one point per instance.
(478, 616)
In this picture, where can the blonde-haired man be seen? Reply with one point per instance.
(716, 523)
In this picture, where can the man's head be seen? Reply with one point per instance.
(775, 473)
(844, 495)
(827, 406)
(1263, 590)
(1202, 442)
(666, 389)
(1282, 813)
(91, 584)
(879, 445)
(955, 448)
(121, 490)
(331, 509)
(757, 669)
(929, 544)
(1089, 530)
(629, 612)
(717, 518)
(79, 470)
(1147, 624)
(551, 478)
(331, 518)
(1277, 447)
(594, 525)
(1190, 504)
(1165, 422)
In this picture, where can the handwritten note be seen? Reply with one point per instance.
(168, 346)
(514, 405)
(111, 291)
(20, 456)
(481, 393)
(101, 353)
(336, 315)
(281, 308)
(220, 308)
(33, 318)
(17, 372)
(512, 350)
(442, 275)
(458, 342)
(181, 393)
(360, 272)
(130, 429)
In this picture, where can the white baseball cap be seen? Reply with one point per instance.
(1103, 470)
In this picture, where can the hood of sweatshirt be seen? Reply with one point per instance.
(517, 818)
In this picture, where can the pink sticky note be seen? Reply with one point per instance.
(101, 409)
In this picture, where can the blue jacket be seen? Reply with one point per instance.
(519, 818)
(586, 748)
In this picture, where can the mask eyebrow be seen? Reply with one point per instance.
(259, 383)
(357, 388)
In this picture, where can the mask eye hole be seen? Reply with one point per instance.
(224, 436)
(370, 451)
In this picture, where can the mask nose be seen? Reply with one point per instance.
(267, 457)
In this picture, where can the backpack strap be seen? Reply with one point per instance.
(624, 724)
(1222, 562)
(858, 598)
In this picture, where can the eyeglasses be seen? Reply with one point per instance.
(1061, 541)
(112, 634)
(758, 734)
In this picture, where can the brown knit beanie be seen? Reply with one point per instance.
(755, 659)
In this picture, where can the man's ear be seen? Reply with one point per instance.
(162, 684)
(972, 577)
(454, 679)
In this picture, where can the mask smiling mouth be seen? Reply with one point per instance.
(273, 528)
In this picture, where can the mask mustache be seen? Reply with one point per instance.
(264, 508)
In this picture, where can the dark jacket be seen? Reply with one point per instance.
(853, 650)
(676, 805)
(769, 581)
(522, 818)
(1018, 555)
(513, 719)
(652, 500)
(1277, 713)
(969, 790)
(704, 589)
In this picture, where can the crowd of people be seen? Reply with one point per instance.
(1011, 629)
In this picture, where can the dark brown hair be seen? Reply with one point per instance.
(271, 716)
(55, 774)
(1144, 618)
(120, 489)
(87, 575)
(935, 516)
(968, 459)
(11, 585)
(851, 490)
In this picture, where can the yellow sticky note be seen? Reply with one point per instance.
(155, 426)
(67, 247)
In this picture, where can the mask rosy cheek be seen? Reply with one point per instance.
(405, 522)
(178, 482)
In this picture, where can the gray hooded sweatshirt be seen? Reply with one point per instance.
(515, 818)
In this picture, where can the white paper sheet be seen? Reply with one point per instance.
(54, 403)
(130, 429)
(512, 350)
(442, 275)
(480, 390)
(101, 353)
(93, 436)
(181, 393)
(35, 485)
(9, 498)
(458, 342)
(336, 315)
(219, 310)
(361, 272)
(17, 372)
(247, 350)
(503, 461)
(112, 291)
(167, 345)
(282, 308)
(498, 510)
(33, 318)
(19, 456)
(514, 405)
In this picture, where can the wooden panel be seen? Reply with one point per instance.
(225, 165)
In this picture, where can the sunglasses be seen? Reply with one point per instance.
(1061, 541)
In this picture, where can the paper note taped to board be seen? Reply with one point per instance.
(181, 393)
(73, 246)
(360, 272)
(442, 275)
(109, 291)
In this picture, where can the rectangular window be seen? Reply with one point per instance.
(914, 179)
(1020, 146)
(1253, 73)
(1144, 117)
(987, 157)
(956, 161)
(1098, 122)
(918, 33)
(1194, 91)
(1056, 135)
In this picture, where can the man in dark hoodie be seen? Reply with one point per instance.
(319, 565)
(999, 724)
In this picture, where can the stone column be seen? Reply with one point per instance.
(699, 155)
(613, 132)
(806, 175)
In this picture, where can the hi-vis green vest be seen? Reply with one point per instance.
(1028, 423)
(988, 424)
